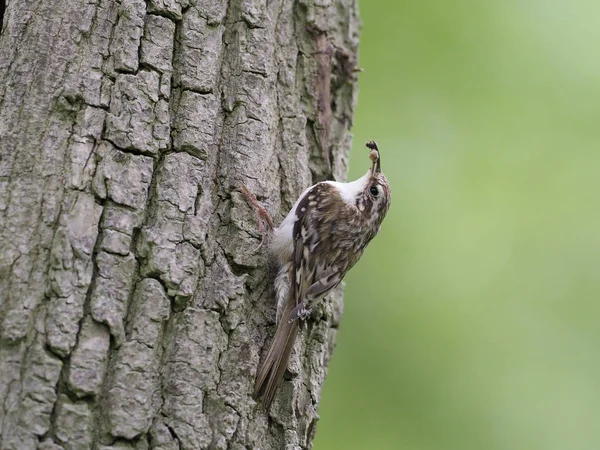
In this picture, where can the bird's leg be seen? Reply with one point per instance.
(262, 215)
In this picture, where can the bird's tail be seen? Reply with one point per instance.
(270, 373)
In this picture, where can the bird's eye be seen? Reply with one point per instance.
(374, 191)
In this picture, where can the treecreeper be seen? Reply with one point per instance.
(321, 238)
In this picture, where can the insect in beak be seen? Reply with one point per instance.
(375, 157)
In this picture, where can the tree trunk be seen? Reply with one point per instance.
(133, 307)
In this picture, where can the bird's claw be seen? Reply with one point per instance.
(262, 215)
(300, 313)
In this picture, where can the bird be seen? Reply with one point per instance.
(321, 238)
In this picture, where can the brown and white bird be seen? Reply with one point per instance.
(322, 237)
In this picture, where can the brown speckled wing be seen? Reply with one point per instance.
(300, 233)
(322, 245)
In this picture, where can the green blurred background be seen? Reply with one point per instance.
(473, 319)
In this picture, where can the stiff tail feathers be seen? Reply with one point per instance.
(270, 373)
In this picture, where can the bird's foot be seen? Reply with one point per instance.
(300, 313)
(262, 215)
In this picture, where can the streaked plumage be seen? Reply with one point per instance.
(322, 237)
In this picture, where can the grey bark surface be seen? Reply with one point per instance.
(133, 309)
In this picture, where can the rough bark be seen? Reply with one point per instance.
(133, 309)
